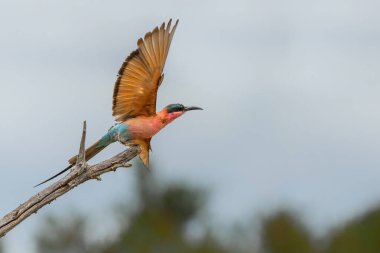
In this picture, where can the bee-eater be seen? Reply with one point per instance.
(134, 97)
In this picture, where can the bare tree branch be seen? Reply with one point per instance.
(79, 174)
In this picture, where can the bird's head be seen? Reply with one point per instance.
(173, 111)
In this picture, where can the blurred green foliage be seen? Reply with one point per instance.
(58, 235)
(283, 233)
(157, 225)
(160, 222)
(360, 235)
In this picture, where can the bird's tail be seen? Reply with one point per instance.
(90, 152)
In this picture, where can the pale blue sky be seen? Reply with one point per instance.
(290, 91)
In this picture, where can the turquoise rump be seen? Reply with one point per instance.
(118, 132)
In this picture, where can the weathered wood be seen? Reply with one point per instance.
(79, 174)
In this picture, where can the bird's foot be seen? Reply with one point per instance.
(131, 144)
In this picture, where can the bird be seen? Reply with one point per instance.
(135, 95)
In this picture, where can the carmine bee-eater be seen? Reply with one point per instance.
(134, 97)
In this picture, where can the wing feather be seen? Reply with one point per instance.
(139, 76)
(156, 44)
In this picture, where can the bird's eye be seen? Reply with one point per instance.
(175, 108)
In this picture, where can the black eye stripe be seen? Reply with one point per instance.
(175, 108)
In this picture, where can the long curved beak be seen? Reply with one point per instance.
(190, 108)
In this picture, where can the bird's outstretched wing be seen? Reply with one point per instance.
(141, 74)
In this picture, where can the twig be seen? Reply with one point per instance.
(80, 173)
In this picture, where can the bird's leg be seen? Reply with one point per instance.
(130, 144)
(122, 140)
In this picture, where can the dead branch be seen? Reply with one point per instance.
(79, 174)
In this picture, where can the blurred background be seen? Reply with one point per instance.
(284, 158)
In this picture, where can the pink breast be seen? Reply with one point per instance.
(144, 127)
